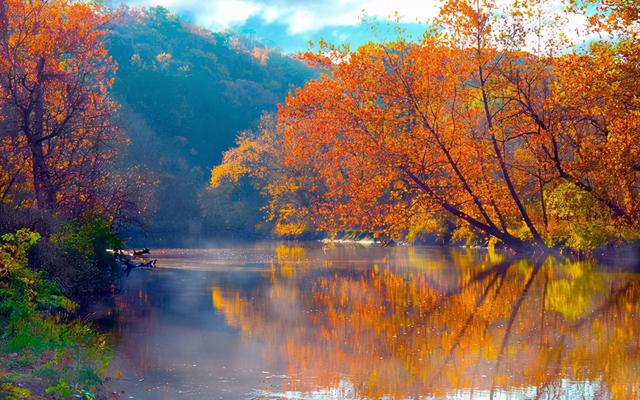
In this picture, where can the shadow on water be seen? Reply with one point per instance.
(309, 322)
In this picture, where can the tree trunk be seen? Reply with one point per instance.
(42, 186)
(43, 189)
(516, 244)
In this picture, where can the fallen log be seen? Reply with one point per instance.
(145, 265)
(129, 265)
(141, 253)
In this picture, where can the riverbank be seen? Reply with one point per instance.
(45, 352)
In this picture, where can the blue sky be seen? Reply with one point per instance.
(290, 24)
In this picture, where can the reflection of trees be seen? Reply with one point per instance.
(545, 329)
(134, 322)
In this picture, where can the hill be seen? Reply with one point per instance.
(186, 93)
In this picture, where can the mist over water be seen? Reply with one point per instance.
(303, 321)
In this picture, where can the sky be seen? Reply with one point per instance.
(290, 24)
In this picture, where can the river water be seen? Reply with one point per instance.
(287, 321)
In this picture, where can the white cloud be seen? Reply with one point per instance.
(307, 16)
(224, 13)
(299, 16)
(270, 14)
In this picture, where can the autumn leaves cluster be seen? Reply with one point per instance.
(58, 141)
(495, 123)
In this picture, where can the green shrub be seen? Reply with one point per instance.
(68, 356)
(70, 252)
(578, 220)
(76, 256)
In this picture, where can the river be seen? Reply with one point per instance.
(306, 321)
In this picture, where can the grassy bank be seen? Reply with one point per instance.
(44, 353)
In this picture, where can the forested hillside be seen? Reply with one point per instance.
(185, 94)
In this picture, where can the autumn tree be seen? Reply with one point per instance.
(260, 155)
(476, 122)
(57, 135)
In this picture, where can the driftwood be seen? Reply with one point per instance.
(131, 265)
(141, 253)
(127, 260)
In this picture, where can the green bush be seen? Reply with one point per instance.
(578, 220)
(73, 253)
(68, 357)
(77, 259)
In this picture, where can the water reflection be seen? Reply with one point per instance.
(316, 322)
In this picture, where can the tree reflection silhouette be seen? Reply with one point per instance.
(501, 326)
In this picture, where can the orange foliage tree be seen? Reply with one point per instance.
(260, 154)
(57, 139)
(529, 144)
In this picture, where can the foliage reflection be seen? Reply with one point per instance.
(458, 326)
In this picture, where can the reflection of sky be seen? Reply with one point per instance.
(345, 391)
(171, 345)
